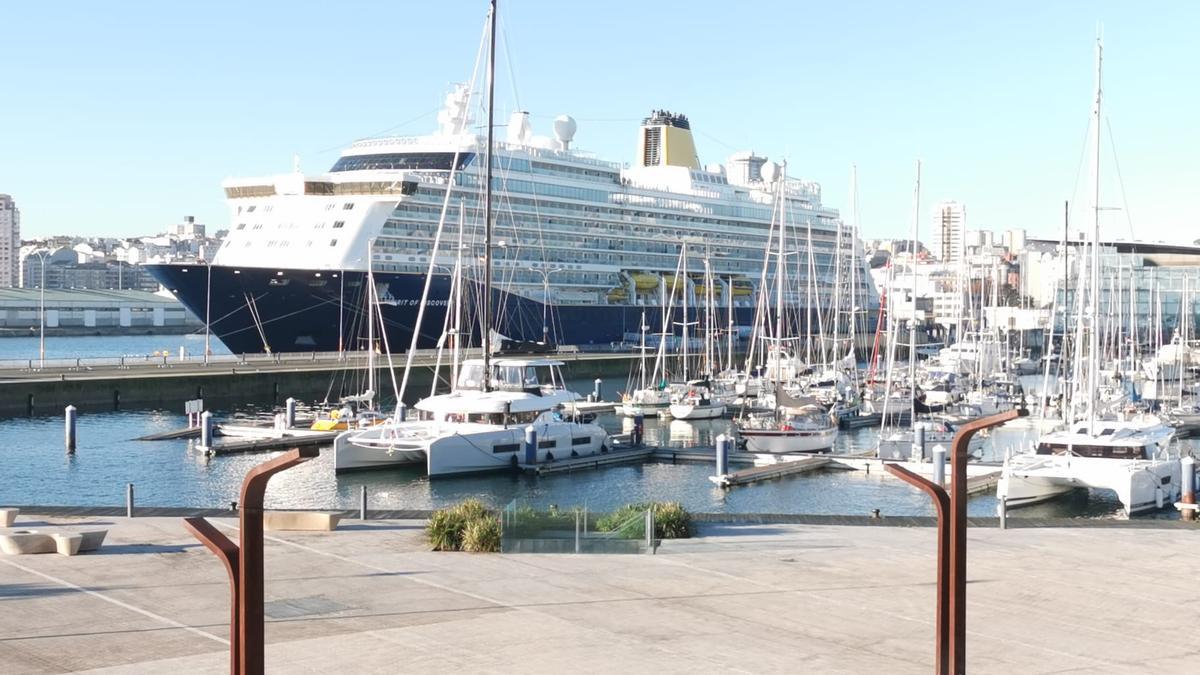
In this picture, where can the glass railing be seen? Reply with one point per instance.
(526, 529)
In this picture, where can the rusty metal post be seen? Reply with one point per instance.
(215, 541)
(958, 533)
(941, 501)
(951, 641)
(244, 563)
(250, 563)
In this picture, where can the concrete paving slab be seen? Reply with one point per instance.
(746, 598)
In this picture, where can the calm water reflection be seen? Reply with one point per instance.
(172, 473)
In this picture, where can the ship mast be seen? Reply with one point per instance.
(487, 208)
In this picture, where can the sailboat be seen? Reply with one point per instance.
(698, 401)
(481, 424)
(1131, 457)
(797, 424)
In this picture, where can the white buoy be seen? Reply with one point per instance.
(69, 429)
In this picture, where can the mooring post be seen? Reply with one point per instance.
(918, 444)
(129, 500)
(939, 464)
(206, 429)
(70, 429)
(639, 430)
(596, 390)
(1002, 509)
(722, 455)
(531, 446)
(362, 500)
(401, 412)
(290, 416)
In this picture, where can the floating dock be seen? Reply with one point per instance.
(265, 443)
(771, 471)
(619, 455)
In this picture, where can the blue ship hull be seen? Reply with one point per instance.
(255, 310)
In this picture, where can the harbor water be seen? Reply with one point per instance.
(38, 471)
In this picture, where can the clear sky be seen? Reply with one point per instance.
(118, 118)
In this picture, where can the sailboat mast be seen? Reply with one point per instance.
(487, 209)
(912, 322)
(779, 267)
(370, 299)
(1094, 287)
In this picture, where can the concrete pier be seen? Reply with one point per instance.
(762, 598)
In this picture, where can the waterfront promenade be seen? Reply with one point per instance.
(740, 598)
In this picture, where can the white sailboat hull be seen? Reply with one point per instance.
(1140, 484)
(791, 440)
(689, 411)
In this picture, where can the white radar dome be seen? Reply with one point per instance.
(564, 130)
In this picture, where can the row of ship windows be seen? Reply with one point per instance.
(337, 225)
(278, 243)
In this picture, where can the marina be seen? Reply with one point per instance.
(678, 353)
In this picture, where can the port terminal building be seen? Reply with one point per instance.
(92, 312)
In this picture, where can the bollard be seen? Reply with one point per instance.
(290, 416)
(1003, 511)
(650, 530)
(918, 444)
(596, 390)
(578, 546)
(70, 429)
(129, 500)
(530, 445)
(1187, 466)
(939, 464)
(401, 412)
(362, 500)
(206, 429)
(722, 455)
(639, 428)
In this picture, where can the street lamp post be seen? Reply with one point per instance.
(42, 312)
(207, 309)
(545, 300)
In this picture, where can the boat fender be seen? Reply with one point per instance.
(549, 456)
(574, 453)
(785, 427)
(514, 463)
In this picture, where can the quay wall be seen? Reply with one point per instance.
(225, 387)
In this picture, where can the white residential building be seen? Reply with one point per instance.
(949, 232)
(10, 243)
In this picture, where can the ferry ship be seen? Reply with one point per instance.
(585, 252)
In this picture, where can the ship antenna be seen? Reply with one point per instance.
(487, 209)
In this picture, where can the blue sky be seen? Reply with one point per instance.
(119, 118)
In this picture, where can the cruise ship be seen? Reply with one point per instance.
(585, 250)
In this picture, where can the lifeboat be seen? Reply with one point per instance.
(645, 282)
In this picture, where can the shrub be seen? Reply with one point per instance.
(466, 526)
(445, 530)
(482, 535)
(671, 520)
(471, 509)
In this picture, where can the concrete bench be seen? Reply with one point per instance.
(8, 517)
(313, 521)
(64, 542)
